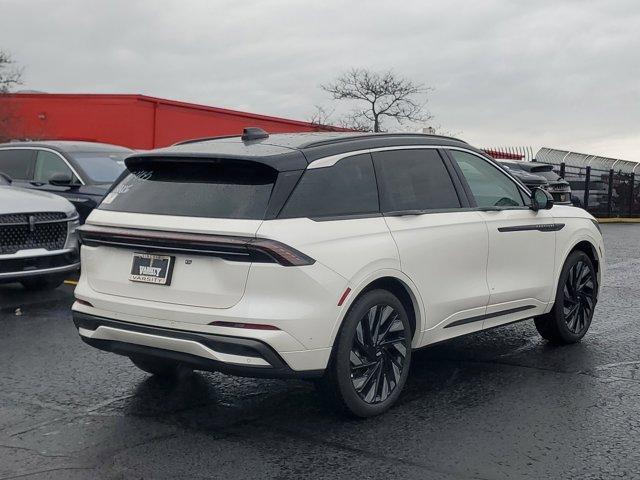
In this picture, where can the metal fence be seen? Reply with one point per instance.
(511, 153)
(605, 187)
(603, 193)
(557, 157)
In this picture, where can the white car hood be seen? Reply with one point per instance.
(22, 200)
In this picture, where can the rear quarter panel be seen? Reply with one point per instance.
(359, 250)
(353, 248)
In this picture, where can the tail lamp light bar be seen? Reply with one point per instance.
(230, 247)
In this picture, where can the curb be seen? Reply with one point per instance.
(618, 220)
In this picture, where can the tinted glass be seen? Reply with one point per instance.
(346, 188)
(414, 180)
(49, 164)
(490, 187)
(216, 189)
(16, 163)
(100, 167)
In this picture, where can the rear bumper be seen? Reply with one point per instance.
(15, 268)
(245, 357)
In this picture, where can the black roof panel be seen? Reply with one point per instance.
(292, 151)
(304, 140)
(275, 156)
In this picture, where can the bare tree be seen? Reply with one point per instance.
(383, 94)
(355, 121)
(430, 129)
(9, 77)
(321, 116)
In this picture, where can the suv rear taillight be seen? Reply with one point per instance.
(224, 246)
(281, 253)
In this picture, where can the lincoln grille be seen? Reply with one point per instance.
(23, 231)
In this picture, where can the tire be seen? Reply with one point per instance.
(368, 370)
(160, 368)
(575, 301)
(43, 283)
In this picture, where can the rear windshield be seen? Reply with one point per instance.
(212, 189)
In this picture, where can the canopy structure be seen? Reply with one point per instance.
(583, 160)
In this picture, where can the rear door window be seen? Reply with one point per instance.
(214, 189)
(414, 180)
(346, 188)
(18, 164)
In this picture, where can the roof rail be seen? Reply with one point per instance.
(202, 139)
(248, 133)
(358, 136)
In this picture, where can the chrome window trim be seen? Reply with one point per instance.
(333, 159)
(52, 151)
(39, 222)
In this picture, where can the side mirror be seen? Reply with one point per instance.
(5, 179)
(540, 199)
(61, 180)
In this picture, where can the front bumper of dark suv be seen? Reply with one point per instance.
(561, 198)
(38, 245)
(14, 268)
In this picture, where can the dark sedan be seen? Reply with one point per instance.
(79, 171)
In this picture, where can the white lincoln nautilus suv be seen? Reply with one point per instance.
(328, 256)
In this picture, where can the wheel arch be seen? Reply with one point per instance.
(590, 250)
(397, 283)
(587, 246)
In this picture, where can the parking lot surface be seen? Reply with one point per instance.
(495, 405)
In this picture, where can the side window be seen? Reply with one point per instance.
(414, 180)
(16, 163)
(346, 188)
(49, 164)
(490, 187)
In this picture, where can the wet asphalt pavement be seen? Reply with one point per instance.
(495, 405)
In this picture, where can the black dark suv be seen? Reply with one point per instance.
(81, 172)
(545, 178)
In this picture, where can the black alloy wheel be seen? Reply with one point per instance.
(579, 297)
(371, 358)
(378, 354)
(575, 301)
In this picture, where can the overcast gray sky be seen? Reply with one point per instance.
(556, 73)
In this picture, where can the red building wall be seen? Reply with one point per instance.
(134, 121)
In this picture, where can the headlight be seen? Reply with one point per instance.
(72, 236)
